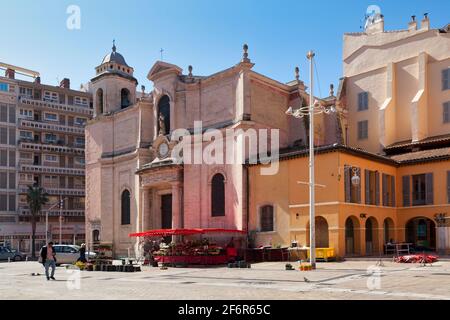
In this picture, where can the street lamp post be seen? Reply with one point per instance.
(314, 108)
(60, 202)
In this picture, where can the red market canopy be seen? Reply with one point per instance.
(165, 233)
(183, 232)
(217, 230)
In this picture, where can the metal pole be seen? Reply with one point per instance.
(60, 220)
(312, 225)
(46, 227)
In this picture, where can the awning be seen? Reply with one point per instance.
(184, 232)
(218, 230)
(165, 233)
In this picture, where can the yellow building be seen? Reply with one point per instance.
(389, 203)
(394, 111)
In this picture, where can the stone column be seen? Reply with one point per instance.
(176, 206)
(146, 218)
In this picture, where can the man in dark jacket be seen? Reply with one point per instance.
(48, 257)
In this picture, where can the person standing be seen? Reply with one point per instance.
(48, 256)
(82, 257)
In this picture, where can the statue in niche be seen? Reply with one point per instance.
(162, 125)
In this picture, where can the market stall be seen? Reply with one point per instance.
(189, 249)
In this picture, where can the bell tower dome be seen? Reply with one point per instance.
(114, 86)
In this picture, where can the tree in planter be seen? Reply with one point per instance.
(36, 198)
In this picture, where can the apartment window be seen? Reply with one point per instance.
(422, 189)
(51, 116)
(50, 138)
(12, 158)
(3, 158)
(446, 110)
(28, 135)
(12, 136)
(388, 183)
(12, 202)
(3, 113)
(4, 87)
(363, 130)
(372, 187)
(446, 79)
(26, 92)
(26, 155)
(26, 113)
(50, 96)
(12, 114)
(79, 141)
(352, 191)
(80, 161)
(3, 180)
(266, 219)
(3, 135)
(81, 101)
(448, 186)
(80, 121)
(51, 158)
(363, 101)
(3, 202)
(12, 180)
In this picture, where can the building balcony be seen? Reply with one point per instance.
(49, 126)
(55, 191)
(24, 210)
(39, 104)
(29, 168)
(30, 145)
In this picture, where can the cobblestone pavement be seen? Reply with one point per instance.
(345, 280)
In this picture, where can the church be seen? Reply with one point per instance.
(133, 184)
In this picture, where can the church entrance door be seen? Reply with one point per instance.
(166, 213)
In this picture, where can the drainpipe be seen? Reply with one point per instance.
(247, 195)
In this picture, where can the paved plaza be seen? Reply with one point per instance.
(344, 280)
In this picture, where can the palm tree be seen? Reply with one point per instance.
(36, 198)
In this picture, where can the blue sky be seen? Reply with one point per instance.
(208, 34)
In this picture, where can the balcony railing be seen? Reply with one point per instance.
(47, 126)
(50, 148)
(24, 210)
(80, 192)
(56, 106)
(52, 170)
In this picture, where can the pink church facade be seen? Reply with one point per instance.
(133, 183)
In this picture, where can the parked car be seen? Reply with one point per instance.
(13, 254)
(69, 254)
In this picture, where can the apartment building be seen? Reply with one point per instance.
(41, 142)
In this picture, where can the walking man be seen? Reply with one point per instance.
(48, 257)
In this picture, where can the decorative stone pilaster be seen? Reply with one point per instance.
(442, 233)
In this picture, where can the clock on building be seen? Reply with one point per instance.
(163, 150)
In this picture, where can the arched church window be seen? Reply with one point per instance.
(125, 207)
(164, 115)
(124, 98)
(96, 235)
(99, 101)
(218, 195)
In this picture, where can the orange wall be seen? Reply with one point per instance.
(291, 200)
